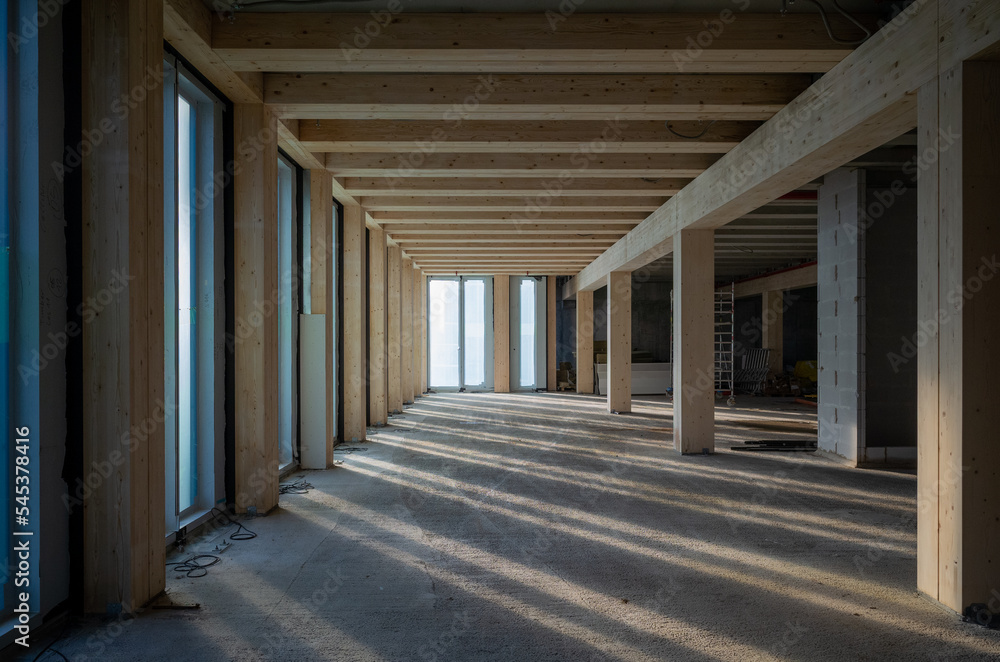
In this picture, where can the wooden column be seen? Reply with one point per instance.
(377, 363)
(323, 293)
(355, 337)
(123, 371)
(394, 386)
(501, 333)
(423, 333)
(694, 362)
(772, 311)
(406, 331)
(551, 358)
(958, 495)
(256, 281)
(620, 341)
(584, 341)
(418, 347)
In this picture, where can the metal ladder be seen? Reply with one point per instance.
(724, 340)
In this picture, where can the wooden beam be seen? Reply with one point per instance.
(122, 260)
(788, 279)
(619, 386)
(496, 216)
(423, 204)
(455, 97)
(353, 325)
(585, 342)
(512, 186)
(501, 333)
(729, 41)
(377, 360)
(187, 26)
(256, 279)
(860, 104)
(393, 167)
(402, 230)
(551, 359)
(694, 329)
(394, 316)
(406, 330)
(958, 309)
(288, 140)
(512, 238)
(419, 356)
(323, 293)
(484, 136)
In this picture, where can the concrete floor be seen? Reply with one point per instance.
(538, 527)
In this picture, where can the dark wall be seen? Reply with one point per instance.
(800, 329)
(890, 312)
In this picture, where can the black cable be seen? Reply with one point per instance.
(193, 568)
(48, 649)
(681, 135)
(242, 532)
(350, 449)
(829, 30)
(52, 643)
(301, 486)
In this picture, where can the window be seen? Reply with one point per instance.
(192, 329)
(460, 328)
(527, 332)
(288, 311)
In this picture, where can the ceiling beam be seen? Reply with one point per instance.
(452, 98)
(487, 203)
(512, 186)
(728, 41)
(863, 102)
(484, 136)
(544, 216)
(401, 230)
(566, 167)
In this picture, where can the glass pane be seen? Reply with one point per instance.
(475, 332)
(444, 333)
(187, 464)
(286, 365)
(527, 347)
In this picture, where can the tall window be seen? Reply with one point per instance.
(192, 222)
(288, 311)
(460, 327)
(527, 332)
(5, 423)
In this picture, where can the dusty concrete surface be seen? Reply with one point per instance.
(538, 527)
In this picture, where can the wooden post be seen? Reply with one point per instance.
(772, 315)
(585, 341)
(423, 332)
(256, 290)
(620, 341)
(406, 331)
(353, 325)
(551, 358)
(501, 333)
(379, 414)
(394, 386)
(418, 346)
(123, 370)
(694, 363)
(958, 558)
(322, 286)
